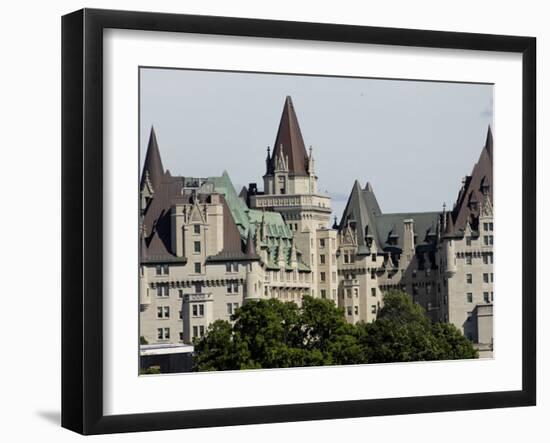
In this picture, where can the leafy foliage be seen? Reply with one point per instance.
(273, 334)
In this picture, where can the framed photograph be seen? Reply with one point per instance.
(269, 221)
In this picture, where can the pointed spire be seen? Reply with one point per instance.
(290, 143)
(153, 163)
(280, 254)
(489, 142)
(368, 187)
(293, 255)
(449, 226)
(250, 247)
(335, 224)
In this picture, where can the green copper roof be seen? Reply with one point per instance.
(248, 219)
(244, 217)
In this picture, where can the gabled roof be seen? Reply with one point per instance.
(471, 191)
(289, 140)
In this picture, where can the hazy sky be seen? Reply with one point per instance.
(412, 140)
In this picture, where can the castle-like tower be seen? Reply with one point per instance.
(290, 188)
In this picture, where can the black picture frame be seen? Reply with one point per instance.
(82, 259)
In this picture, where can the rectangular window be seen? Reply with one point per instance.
(230, 288)
(486, 297)
(491, 277)
(373, 274)
(485, 259)
(468, 241)
(352, 258)
(165, 269)
(235, 267)
(469, 278)
(181, 336)
(322, 243)
(195, 310)
(373, 292)
(485, 278)
(373, 309)
(356, 292)
(230, 308)
(468, 259)
(323, 293)
(160, 333)
(180, 293)
(356, 309)
(201, 310)
(195, 331)
(158, 270)
(334, 277)
(197, 268)
(197, 247)
(373, 257)
(167, 312)
(322, 259)
(346, 258)
(159, 311)
(166, 333)
(323, 277)
(197, 229)
(349, 310)
(228, 267)
(162, 291)
(348, 292)
(469, 297)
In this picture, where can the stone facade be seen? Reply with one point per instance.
(206, 250)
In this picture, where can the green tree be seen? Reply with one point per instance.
(403, 332)
(273, 334)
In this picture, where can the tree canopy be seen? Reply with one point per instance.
(274, 334)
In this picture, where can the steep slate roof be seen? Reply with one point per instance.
(471, 190)
(289, 140)
(362, 209)
(424, 223)
(153, 163)
(156, 243)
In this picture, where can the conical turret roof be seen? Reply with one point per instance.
(152, 167)
(289, 140)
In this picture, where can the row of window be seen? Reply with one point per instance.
(356, 292)
(487, 297)
(487, 259)
(164, 333)
(487, 278)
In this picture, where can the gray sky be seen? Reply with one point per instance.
(413, 141)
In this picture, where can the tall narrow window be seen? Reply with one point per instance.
(197, 229)
(197, 268)
(197, 247)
